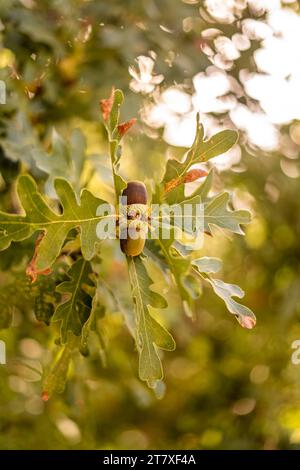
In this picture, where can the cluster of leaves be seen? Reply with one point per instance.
(80, 299)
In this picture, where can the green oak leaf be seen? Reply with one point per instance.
(225, 291)
(56, 378)
(150, 335)
(74, 312)
(65, 160)
(207, 264)
(201, 151)
(40, 217)
(215, 212)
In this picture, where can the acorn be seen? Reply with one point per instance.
(136, 193)
(135, 209)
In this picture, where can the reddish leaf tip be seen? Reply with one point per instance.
(194, 175)
(107, 104)
(189, 177)
(125, 126)
(45, 396)
(247, 322)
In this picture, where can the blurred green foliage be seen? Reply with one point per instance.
(224, 387)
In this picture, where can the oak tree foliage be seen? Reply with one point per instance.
(56, 223)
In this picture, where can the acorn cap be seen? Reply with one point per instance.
(135, 192)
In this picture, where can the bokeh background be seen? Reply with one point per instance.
(238, 63)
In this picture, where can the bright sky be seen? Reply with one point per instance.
(273, 88)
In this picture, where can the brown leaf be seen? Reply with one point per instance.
(194, 175)
(31, 270)
(189, 177)
(125, 126)
(106, 105)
